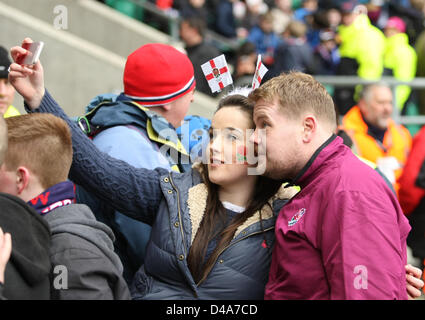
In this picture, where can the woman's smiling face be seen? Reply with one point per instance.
(226, 152)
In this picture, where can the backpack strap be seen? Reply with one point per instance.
(84, 122)
(154, 136)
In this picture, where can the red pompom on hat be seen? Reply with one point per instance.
(157, 74)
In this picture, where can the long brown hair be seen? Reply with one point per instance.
(215, 214)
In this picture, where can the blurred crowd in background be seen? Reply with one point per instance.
(320, 37)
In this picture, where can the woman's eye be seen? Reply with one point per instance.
(232, 137)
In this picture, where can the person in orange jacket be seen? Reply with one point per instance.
(376, 136)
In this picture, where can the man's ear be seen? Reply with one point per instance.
(166, 107)
(309, 128)
(362, 105)
(22, 178)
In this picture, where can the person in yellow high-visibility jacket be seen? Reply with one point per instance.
(364, 43)
(361, 49)
(400, 58)
(7, 92)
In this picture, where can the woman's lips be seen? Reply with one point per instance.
(214, 162)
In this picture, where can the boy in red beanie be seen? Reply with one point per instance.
(138, 126)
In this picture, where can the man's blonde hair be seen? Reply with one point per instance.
(42, 143)
(297, 93)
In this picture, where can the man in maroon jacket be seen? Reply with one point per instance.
(343, 236)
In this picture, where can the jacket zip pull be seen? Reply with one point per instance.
(181, 225)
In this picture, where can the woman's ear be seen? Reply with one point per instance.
(22, 179)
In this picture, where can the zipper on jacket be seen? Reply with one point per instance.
(181, 224)
(179, 213)
(226, 247)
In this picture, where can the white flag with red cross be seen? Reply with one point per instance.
(217, 73)
(260, 71)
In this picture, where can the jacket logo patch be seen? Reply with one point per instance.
(296, 217)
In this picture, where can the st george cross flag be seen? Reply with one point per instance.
(260, 71)
(217, 73)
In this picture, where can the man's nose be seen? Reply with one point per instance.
(254, 137)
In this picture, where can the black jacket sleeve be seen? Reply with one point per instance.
(1, 292)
